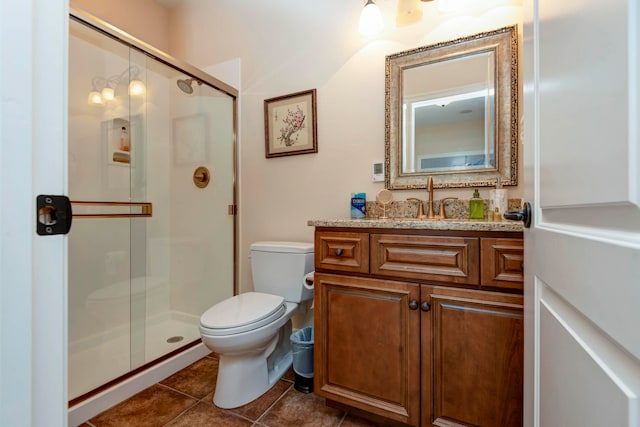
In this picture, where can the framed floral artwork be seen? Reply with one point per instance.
(290, 124)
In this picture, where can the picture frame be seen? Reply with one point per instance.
(190, 137)
(291, 124)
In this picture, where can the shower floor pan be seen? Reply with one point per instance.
(97, 360)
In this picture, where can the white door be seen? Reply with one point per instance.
(33, 117)
(582, 253)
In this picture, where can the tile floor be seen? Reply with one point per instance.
(186, 399)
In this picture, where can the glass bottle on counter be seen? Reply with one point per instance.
(476, 206)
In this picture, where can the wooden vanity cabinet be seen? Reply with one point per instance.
(421, 338)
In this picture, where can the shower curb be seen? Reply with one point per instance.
(89, 408)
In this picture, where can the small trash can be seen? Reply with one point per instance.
(302, 349)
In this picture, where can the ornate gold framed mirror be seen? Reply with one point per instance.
(452, 113)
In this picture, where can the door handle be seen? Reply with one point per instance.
(523, 215)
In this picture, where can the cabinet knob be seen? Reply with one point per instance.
(425, 306)
(413, 304)
(338, 251)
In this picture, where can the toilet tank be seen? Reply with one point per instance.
(278, 268)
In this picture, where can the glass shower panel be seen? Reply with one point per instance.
(190, 254)
(99, 249)
(139, 131)
(138, 102)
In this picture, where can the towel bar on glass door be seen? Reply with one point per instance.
(146, 209)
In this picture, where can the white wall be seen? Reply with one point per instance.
(288, 45)
(144, 19)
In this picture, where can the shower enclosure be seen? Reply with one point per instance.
(151, 176)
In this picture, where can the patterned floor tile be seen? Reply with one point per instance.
(154, 406)
(255, 409)
(300, 409)
(197, 379)
(208, 415)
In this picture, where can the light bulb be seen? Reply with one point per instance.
(371, 22)
(95, 98)
(136, 87)
(107, 93)
(408, 12)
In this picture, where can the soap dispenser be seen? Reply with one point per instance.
(476, 206)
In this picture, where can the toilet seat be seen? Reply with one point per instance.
(242, 313)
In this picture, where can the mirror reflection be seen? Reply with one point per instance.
(450, 113)
(448, 121)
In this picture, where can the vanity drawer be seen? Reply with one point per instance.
(341, 251)
(502, 263)
(426, 258)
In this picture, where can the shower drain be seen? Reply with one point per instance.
(177, 338)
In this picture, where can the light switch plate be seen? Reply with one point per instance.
(378, 172)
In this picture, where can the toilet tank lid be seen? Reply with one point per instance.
(288, 247)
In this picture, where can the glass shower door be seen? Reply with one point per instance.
(101, 253)
(151, 247)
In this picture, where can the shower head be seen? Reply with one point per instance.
(185, 85)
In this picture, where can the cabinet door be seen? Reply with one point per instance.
(472, 358)
(367, 345)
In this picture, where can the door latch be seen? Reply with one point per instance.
(53, 215)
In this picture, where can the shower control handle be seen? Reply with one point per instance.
(201, 177)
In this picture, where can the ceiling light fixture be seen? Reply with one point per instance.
(104, 89)
(136, 87)
(108, 93)
(371, 22)
(408, 12)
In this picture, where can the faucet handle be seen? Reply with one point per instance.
(420, 214)
(441, 212)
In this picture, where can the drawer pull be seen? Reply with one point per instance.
(338, 251)
(425, 306)
(413, 304)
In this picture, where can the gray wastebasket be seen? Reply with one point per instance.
(302, 349)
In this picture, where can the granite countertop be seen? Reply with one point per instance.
(421, 224)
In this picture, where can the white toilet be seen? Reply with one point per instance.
(251, 331)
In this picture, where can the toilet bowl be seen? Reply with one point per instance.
(251, 331)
